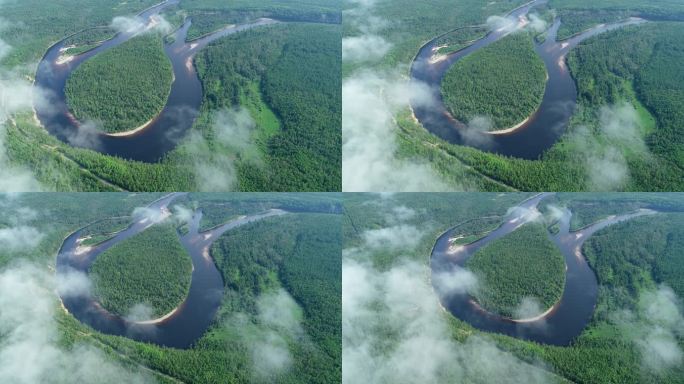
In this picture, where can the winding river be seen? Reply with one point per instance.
(150, 142)
(188, 322)
(567, 318)
(543, 128)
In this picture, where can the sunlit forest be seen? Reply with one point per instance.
(289, 87)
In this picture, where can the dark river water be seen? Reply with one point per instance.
(192, 317)
(568, 317)
(543, 128)
(166, 130)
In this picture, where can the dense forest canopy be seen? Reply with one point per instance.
(298, 113)
(123, 88)
(503, 82)
(522, 267)
(149, 274)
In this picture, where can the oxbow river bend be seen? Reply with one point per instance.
(188, 322)
(163, 132)
(560, 324)
(543, 128)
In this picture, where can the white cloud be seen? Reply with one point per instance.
(392, 238)
(182, 214)
(506, 24)
(87, 135)
(277, 326)
(370, 100)
(537, 24)
(16, 95)
(475, 132)
(394, 331)
(20, 238)
(456, 281)
(603, 150)
(655, 329)
(149, 215)
(280, 310)
(528, 308)
(510, 24)
(140, 312)
(215, 170)
(364, 48)
(136, 25)
(400, 213)
(553, 213)
(4, 49)
(523, 215)
(30, 350)
(73, 283)
(125, 24)
(607, 169)
(270, 355)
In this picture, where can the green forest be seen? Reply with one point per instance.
(632, 66)
(151, 268)
(459, 39)
(475, 229)
(87, 39)
(124, 87)
(104, 229)
(654, 246)
(504, 82)
(40, 24)
(303, 257)
(416, 23)
(525, 264)
(298, 113)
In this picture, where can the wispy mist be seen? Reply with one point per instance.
(19, 238)
(370, 101)
(30, 349)
(364, 48)
(268, 335)
(281, 316)
(655, 328)
(149, 215)
(394, 329)
(16, 95)
(140, 312)
(603, 150)
(73, 283)
(182, 214)
(136, 24)
(510, 24)
(215, 168)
